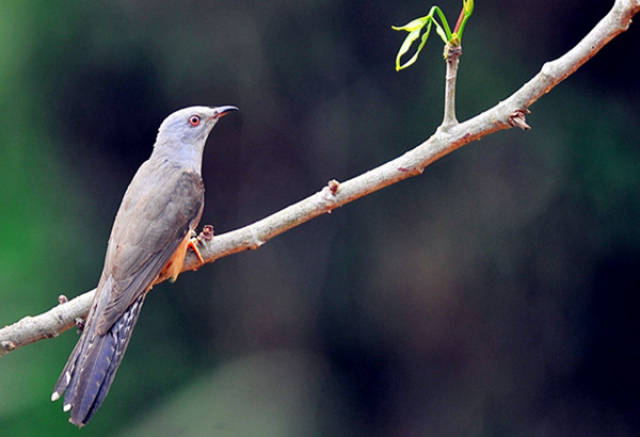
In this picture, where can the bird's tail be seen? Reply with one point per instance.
(93, 363)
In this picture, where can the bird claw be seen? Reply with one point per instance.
(205, 235)
(80, 323)
(192, 244)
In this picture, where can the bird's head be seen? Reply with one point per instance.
(182, 135)
(192, 125)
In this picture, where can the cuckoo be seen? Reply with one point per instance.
(150, 237)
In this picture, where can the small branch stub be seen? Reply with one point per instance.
(518, 118)
(206, 234)
(334, 186)
(8, 345)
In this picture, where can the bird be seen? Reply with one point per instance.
(151, 234)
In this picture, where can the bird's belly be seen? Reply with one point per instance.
(173, 267)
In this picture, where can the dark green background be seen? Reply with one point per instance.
(496, 294)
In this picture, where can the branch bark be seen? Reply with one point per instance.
(452, 55)
(504, 115)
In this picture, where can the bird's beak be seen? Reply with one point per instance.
(221, 111)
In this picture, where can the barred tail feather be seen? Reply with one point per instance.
(93, 363)
(66, 381)
(96, 383)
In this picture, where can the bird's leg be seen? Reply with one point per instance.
(193, 244)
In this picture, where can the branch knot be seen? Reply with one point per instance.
(518, 118)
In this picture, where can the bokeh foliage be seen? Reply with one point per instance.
(495, 294)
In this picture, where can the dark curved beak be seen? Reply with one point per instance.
(221, 111)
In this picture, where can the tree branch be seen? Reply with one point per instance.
(506, 114)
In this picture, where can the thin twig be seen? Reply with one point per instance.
(452, 55)
(334, 195)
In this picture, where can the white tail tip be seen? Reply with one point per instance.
(66, 407)
(55, 396)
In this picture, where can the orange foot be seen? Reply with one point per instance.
(193, 245)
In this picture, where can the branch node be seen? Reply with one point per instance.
(547, 68)
(255, 241)
(452, 52)
(8, 345)
(334, 186)
(518, 118)
(206, 234)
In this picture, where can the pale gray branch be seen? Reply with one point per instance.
(452, 56)
(504, 115)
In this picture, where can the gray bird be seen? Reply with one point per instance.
(149, 239)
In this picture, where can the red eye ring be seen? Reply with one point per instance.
(194, 120)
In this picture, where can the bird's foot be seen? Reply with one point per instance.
(193, 245)
(205, 235)
(79, 322)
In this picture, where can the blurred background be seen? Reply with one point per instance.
(496, 294)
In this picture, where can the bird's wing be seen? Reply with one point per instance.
(158, 211)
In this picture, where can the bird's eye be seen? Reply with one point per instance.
(194, 120)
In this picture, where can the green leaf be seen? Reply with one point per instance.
(445, 23)
(415, 27)
(404, 48)
(407, 44)
(440, 31)
(412, 25)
